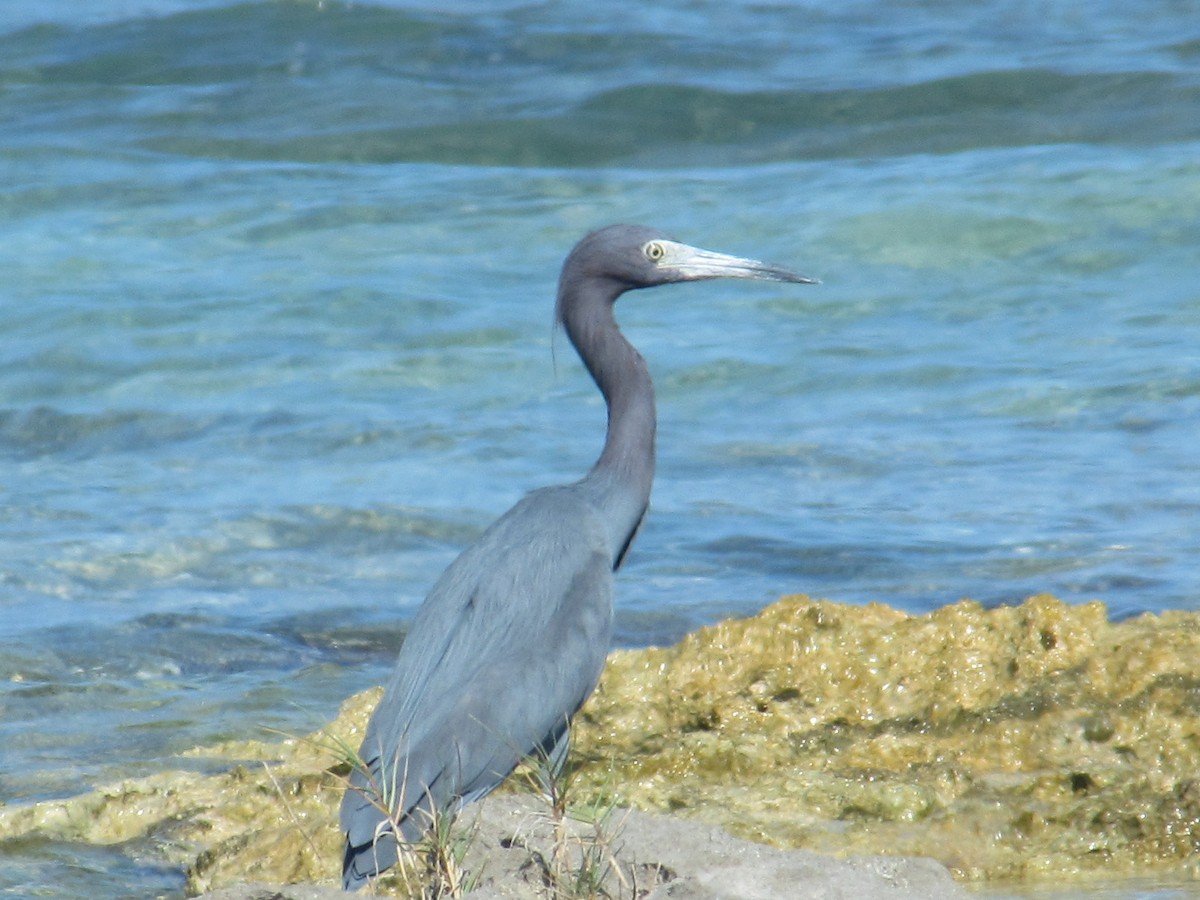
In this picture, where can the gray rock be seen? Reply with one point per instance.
(652, 857)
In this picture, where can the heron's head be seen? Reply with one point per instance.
(633, 256)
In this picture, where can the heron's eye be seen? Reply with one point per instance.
(654, 251)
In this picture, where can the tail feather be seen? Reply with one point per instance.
(363, 862)
(372, 845)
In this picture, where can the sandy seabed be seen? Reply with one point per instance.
(1030, 743)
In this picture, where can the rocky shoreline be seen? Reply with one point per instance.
(657, 857)
(1034, 742)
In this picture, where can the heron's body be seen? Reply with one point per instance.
(469, 700)
(511, 640)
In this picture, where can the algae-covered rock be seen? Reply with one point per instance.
(1022, 741)
(1040, 740)
(270, 817)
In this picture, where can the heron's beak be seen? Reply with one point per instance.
(694, 264)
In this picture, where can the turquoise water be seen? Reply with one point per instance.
(275, 325)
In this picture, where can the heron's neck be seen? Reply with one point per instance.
(620, 481)
(628, 450)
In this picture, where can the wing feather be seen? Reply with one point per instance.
(506, 648)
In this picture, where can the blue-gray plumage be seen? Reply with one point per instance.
(512, 638)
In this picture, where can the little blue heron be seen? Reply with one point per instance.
(512, 638)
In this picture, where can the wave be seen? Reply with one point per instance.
(668, 125)
(46, 431)
(303, 84)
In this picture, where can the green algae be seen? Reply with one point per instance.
(1020, 742)
(1029, 742)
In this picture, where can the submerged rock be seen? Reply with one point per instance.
(1029, 742)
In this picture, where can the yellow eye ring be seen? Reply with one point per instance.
(654, 251)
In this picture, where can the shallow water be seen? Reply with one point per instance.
(276, 332)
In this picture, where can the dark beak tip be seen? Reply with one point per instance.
(796, 278)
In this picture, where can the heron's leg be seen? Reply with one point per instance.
(556, 759)
(551, 755)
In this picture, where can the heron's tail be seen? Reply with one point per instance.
(373, 829)
(362, 862)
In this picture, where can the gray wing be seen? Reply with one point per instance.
(506, 648)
